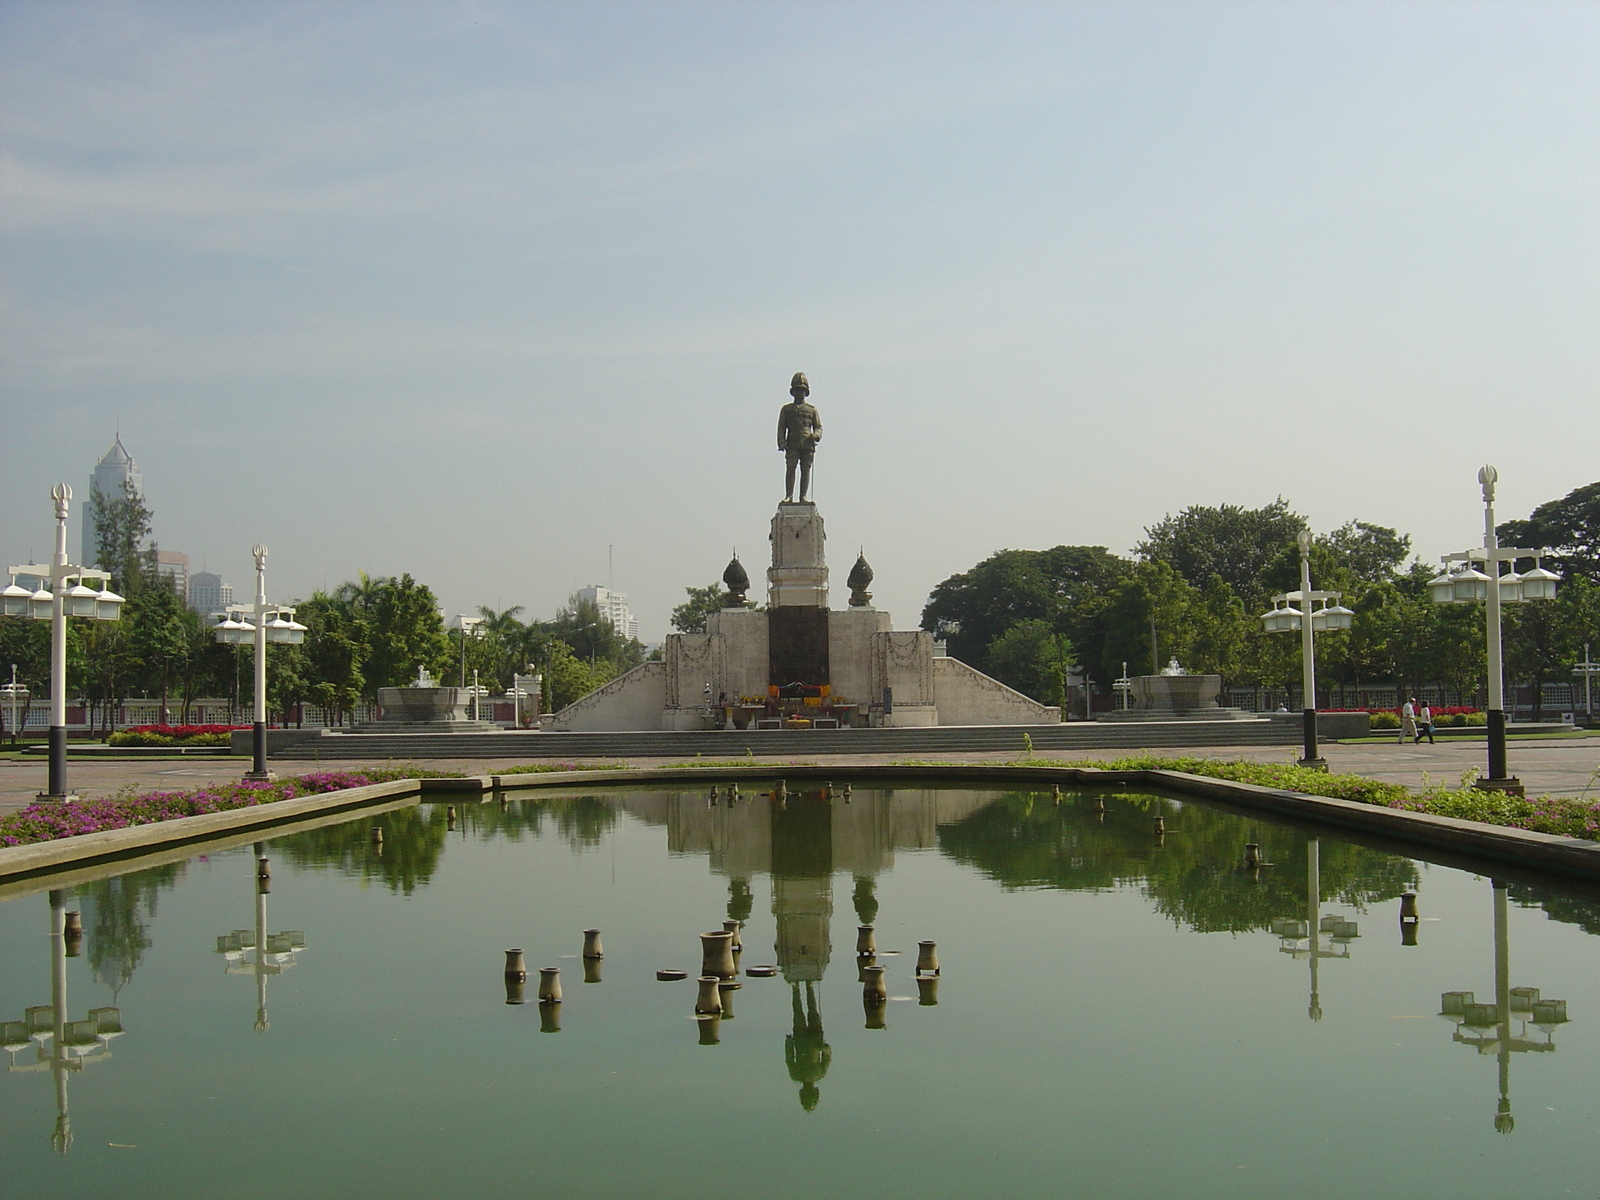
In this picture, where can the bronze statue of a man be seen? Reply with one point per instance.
(799, 431)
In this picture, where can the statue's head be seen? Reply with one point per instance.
(798, 386)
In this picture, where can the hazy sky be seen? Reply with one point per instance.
(477, 290)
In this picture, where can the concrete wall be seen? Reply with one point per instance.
(1333, 724)
(744, 650)
(631, 701)
(967, 696)
(850, 633)
(693, 661)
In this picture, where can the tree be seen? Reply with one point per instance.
(569, 678)
(1570, 527)
(121, 529)
(25, 643)
(690, 616)
(405, 632)
(1367, 552)
(1058, 586)
(335, 650)
(158, 625)
(1033, 658)
(1238, 544)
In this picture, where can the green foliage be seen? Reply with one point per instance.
(1367, 552)
(568, 678)
(690, 616)
(1033, 659)
(121, 530)
(1057, 587)
(405, 632)
(1570, 527)
(1236, 544)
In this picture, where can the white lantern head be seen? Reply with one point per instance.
(1332, 617)
(107, 605)
(14, 600)
(233, 633)
(1441, 588)
(1510, 587)
(281, 630)
(1539, 584)
(41, 605)
(81, 601)
(1469, 584)
(1281, 619)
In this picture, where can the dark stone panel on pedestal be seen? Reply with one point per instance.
(797, 640)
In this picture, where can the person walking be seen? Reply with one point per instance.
(1424, 724)
(1408, 721)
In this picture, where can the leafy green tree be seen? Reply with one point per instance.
(1570, 527)
(159, 631)
(25, 643)
(1033, 658)
(690, 616)
(335, 651)
(1367, 552)
(1237, 544)
(1059, 586)
(121, 530)
(1146, 620)
(405, 632)
(568, 677)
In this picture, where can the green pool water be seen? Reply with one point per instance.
(1116, 1014)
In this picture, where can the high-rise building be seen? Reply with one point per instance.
(208, 594)
(613, 607)
(116, 466)
(174, 565)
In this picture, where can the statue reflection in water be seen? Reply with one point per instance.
(256, 952)
(802, 841)
(62, 1046)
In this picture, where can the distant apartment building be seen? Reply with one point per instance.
(208, 594)
(174, 565)
(613, 607)
(115, 467)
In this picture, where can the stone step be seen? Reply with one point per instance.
(999, 739)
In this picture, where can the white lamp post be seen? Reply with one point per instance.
(1465, 585)
(1284, 617)
(1588, 668)
(69, 596)
(15, 693)
(265, 623)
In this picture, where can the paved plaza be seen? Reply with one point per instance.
(1554, 766)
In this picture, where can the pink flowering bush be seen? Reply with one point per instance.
(47, 820)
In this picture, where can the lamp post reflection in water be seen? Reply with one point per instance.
(256, 952)
(1488, 1026)
(1304, 939)
(61, 1045)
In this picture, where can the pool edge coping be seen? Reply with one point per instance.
(1541, 852)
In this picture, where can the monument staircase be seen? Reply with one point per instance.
(795, 743)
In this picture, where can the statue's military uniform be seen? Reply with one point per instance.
(799, 431)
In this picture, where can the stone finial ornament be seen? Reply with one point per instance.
(737, 580)
(860, 579)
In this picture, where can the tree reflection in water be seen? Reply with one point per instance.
(1195, 875)
(414, 837)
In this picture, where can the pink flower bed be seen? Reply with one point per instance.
(47, 820)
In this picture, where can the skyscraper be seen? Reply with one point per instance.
(208, 594)
(613, 607)
(115, 467)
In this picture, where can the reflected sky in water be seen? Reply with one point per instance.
(1117, 1013)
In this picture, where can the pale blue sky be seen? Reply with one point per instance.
(476, 290)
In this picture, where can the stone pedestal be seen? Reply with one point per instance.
(799, 572)
(427, 709)
(1176, 698)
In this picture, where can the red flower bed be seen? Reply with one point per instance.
(182, 731)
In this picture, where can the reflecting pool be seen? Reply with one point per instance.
(1115, 1013)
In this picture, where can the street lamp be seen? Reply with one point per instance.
(271, 953)
(1466, 585)
(259, 624)
(1284, 617)
(468, 627)
(1588, 668)
(63, 600)
(15, 694)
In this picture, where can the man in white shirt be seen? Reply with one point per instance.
(1424, 724)
(1408, 721)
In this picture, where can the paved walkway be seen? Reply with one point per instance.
(1556, 766)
